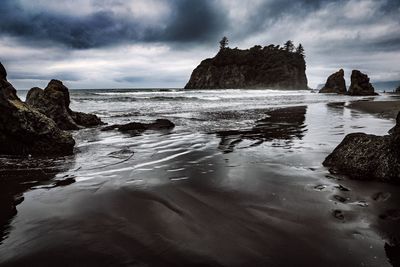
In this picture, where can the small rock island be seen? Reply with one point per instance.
(360, 84)
(271, 67)
(335, 83)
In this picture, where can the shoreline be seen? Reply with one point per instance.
(383, 109)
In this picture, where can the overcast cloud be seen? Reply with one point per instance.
(157, 43)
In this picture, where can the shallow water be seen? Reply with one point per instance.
(234, 184)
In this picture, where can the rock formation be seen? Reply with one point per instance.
(138, 127)
(257, 67)
(3, 72)
(24, 130)
(360, 85)
(368, 157)
(335, 83)
(54, 102)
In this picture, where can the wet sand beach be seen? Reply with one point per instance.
(231, 185)
(386, 109)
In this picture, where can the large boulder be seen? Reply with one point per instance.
(360, 85)
(368, 157)
(24, 130)
(335, 83)
(54, 102)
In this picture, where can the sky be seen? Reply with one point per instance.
(157, 43)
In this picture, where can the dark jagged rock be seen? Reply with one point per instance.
(367, 157)
(3, 72)
(360, 85)
(160, 124)
(51, 102)
(54, 102)
(257, 67)
(86, 119)
(24, 130)
(335, 83)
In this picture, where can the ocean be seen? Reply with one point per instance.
(238, 182)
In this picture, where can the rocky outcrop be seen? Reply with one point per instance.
(54, 102)
(360, 85)
(138, 127)
(335, 83)
(367, 157)
(257, 67)
(24, 130)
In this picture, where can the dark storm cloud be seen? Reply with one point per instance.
(189, 21)
(195, 21)
(269, 14)
(113, 43)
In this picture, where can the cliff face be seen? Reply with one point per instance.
(257, 67)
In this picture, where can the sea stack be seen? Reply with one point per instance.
(360, 85)
(24, 130)
(335, 83)
(368, 157)
(257, 67)
(54, 102)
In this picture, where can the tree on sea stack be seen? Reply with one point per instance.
(300, 50)
(288, 46)
(223, 43)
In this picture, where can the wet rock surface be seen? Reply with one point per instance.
(54, 102)
(367, 157)
(360, 84)
(335, 83)
(257, 67)
(24, 130)
(138, 127)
